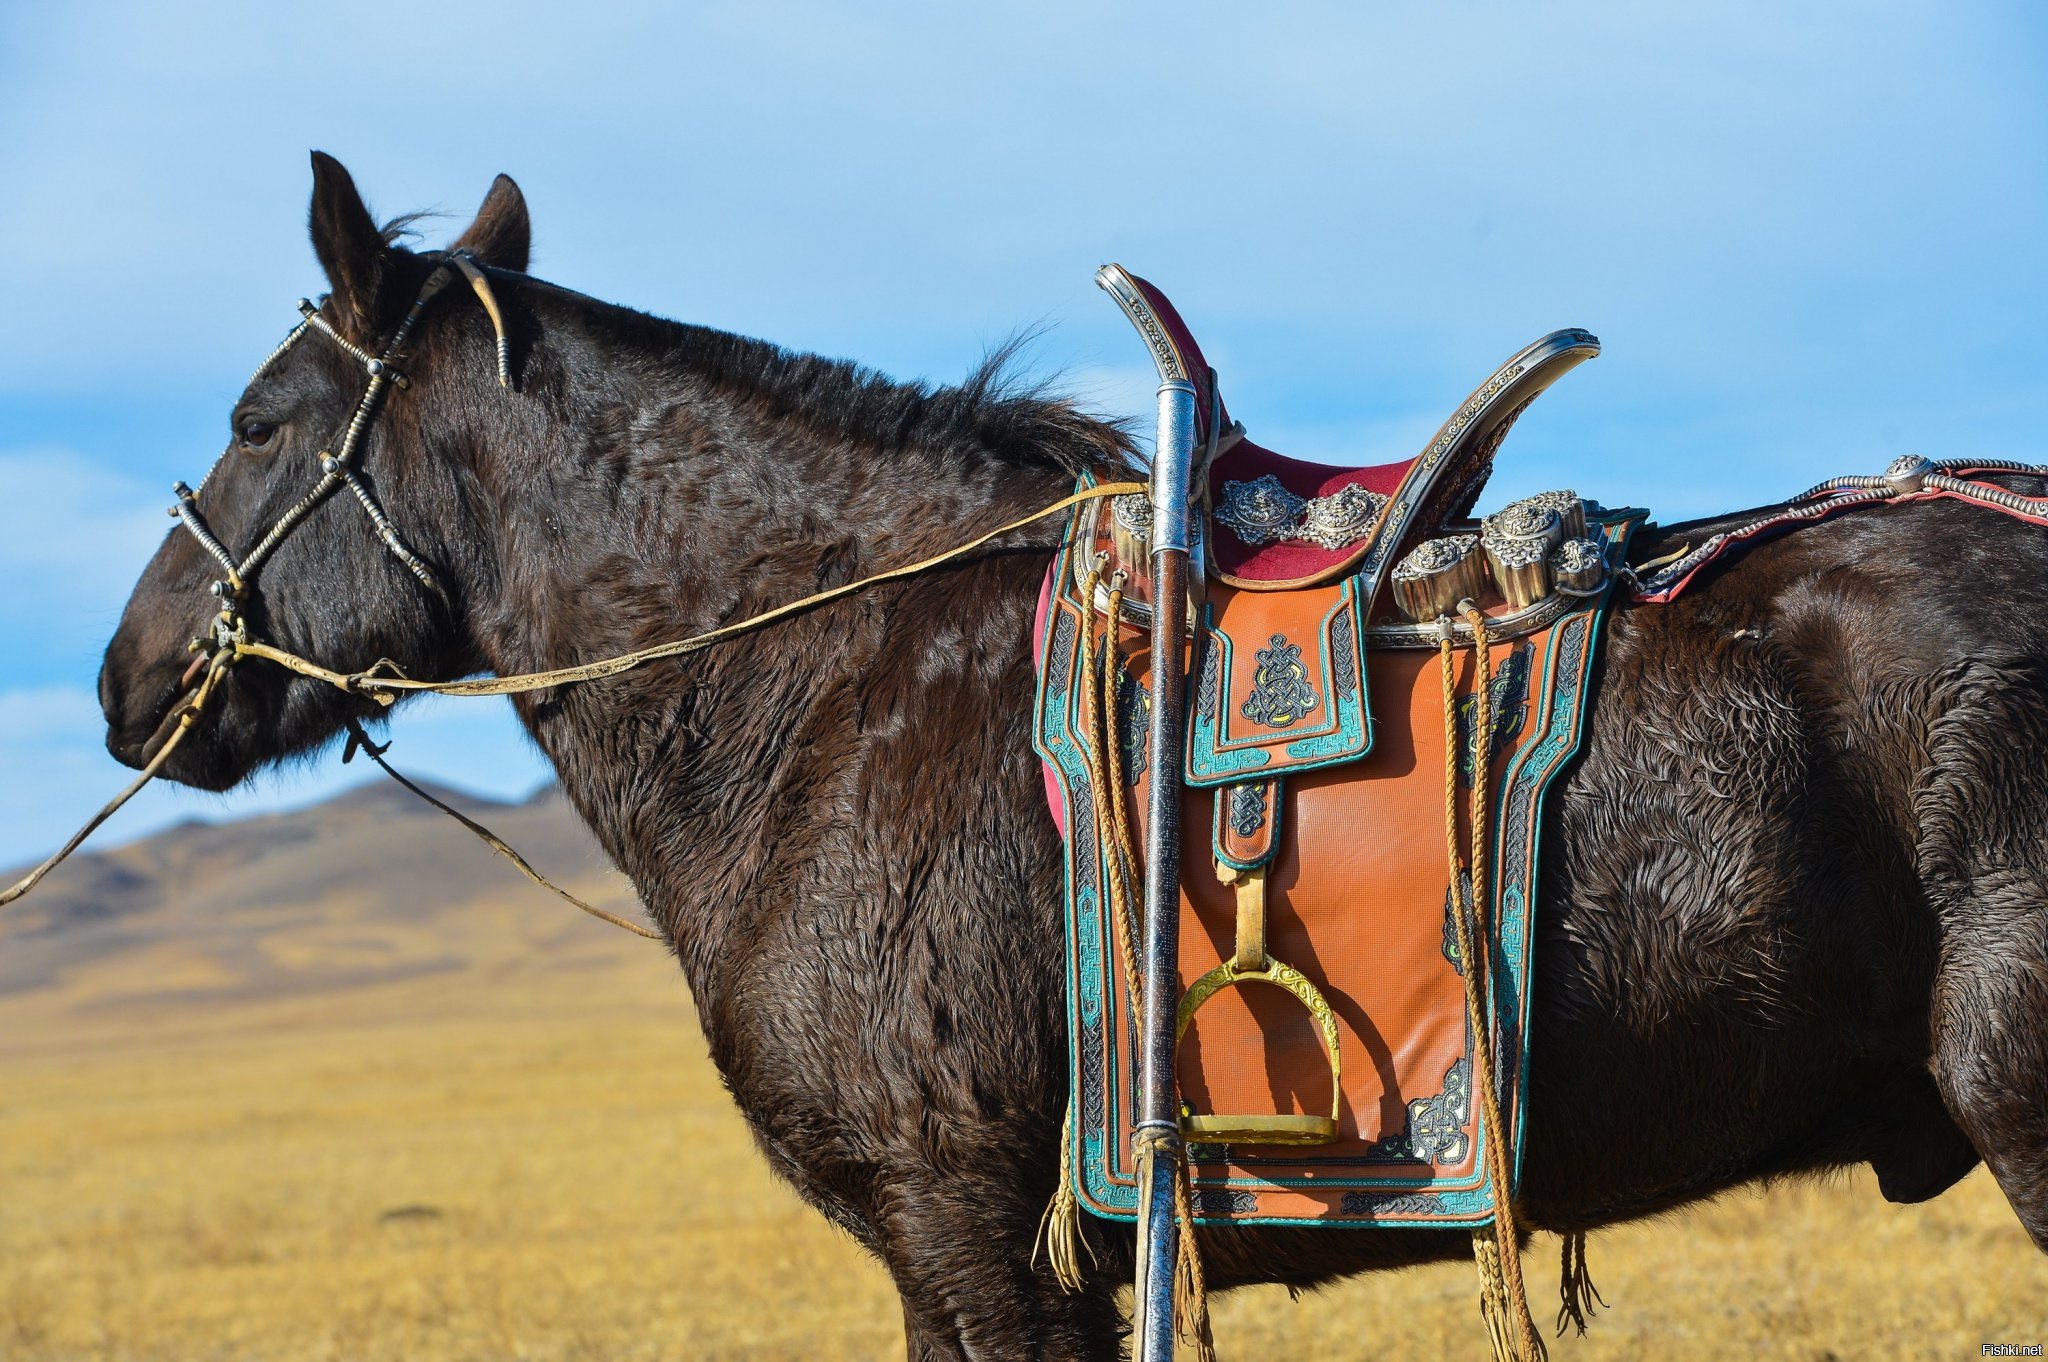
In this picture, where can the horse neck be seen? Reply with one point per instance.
(660, 512)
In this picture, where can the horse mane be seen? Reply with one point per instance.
(994, 411)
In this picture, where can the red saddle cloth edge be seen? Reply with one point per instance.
(1039, 622)
(1290, 559)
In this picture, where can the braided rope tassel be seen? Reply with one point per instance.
(1190, 1289)
(1503, 1298)
(1059, 1229)
(1575, 1289)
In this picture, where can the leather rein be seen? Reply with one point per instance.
(229, 639)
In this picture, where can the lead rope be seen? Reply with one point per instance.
(1496, 1247)
(384, 689)
(359, 741)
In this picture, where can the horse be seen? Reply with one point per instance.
(1793, 909)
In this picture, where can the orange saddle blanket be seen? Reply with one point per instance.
(1317, 766)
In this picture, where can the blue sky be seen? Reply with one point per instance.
(1811, 237)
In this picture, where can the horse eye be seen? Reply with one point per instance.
(256, 434)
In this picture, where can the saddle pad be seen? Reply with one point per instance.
(1357, 901)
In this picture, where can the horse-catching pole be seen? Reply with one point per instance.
(1175, 564)
(1158, 1132)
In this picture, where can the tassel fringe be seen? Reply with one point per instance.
(1575, 1287)
(1190, 1291)
(1060, 1235)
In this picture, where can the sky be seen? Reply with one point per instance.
(1810, 237)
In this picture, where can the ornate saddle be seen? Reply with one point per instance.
(1334, 751)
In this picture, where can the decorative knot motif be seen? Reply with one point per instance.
(1436, 1125)
(1248, 807)
(1281, 693)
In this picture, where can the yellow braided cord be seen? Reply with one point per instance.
(369, 683)
(1100, 669)
(1118, 843)
(1503, 1300)
(1190, 1290)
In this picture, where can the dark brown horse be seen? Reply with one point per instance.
(1794, 907)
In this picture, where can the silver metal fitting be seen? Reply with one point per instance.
(1908, 473)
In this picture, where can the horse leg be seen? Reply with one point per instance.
(963, 1266)
(1991, 1047)
(1984, 862)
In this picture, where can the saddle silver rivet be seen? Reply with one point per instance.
(330, 465)
(1908, 473)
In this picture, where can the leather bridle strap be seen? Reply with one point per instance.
(338, 464)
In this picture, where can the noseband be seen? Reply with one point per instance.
(337, 464)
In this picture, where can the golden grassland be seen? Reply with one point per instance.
(526, 1155)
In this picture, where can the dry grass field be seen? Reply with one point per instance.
(451, 1123)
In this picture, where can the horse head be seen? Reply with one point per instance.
(338, 522)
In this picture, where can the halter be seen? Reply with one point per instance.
(338, 464)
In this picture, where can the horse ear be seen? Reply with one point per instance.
(345, 237)
(502, 235)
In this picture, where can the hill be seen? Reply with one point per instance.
(370, 887)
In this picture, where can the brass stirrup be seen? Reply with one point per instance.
(1251, 964)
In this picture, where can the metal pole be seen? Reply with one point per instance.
(1158, 1127)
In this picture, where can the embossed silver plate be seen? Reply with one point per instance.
(1262, 511)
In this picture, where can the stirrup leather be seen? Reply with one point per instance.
(1250, 963)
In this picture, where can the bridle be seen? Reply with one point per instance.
(338, 462)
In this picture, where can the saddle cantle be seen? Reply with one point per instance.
(1340, 1091)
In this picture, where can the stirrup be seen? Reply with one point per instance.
(1265, 1129)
